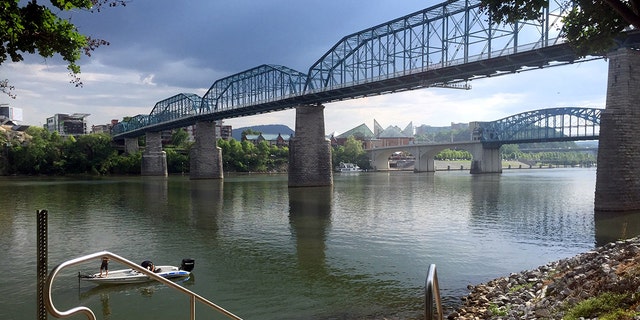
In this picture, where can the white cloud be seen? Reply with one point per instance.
(148, 79)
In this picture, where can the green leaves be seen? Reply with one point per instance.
(592, 26)
(68, 5)
(34, 28)
(514, 10)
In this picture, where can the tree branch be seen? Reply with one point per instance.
(625, 11)
(7, 89)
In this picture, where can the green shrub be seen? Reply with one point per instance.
(608, 305)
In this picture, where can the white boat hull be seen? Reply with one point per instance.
(124, 276)
(348, 167)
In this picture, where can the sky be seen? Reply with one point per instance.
(159, 49)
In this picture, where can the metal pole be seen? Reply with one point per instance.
(42, 261)
(432, 295)
(192, 300)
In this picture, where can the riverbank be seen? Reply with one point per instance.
(443, 165)
(600, 284)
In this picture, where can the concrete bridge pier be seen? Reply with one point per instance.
(485, 160)
(131, 145)
(205, 155)
(154, 160)
(425, 162)
(309, 150)
(618, 172)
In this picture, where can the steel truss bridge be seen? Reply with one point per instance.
(545, 125)
(445, 45)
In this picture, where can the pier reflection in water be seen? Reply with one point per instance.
(613, 226)
(265, 251)
(309, 217)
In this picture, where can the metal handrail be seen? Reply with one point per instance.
(432, 294)
(91, 316)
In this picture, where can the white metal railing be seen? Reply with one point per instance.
(432, 295)
(91, 316)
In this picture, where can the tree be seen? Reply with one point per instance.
(34, 28)
(89, 153)
(351, 152)
(591, 26)
(179, 137)
(40, 156)
(353, 148)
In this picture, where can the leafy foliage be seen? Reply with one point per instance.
(591, 26)
(177, 161)
(179, 138)
(246, 157)
(34, 28)
(50, 154)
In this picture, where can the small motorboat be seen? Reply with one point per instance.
(348, 167)
(124, 276)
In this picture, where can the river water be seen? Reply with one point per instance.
(357, 250)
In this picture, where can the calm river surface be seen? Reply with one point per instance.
(357, 250)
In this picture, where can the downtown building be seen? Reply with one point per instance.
(67, 124)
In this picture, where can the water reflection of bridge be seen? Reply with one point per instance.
(544, 125)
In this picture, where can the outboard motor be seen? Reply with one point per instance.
(187, 264)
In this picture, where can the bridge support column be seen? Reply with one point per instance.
(379, 161)
(154, 160)
(424, 162)
(618, 172)
(131, 145)
(309, 150)
(486, 160)
(205, 155)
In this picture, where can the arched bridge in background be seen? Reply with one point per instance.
(445, 45)
(544, 125)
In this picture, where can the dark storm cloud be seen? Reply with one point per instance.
(226, 37)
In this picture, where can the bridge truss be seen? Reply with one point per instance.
(449, 34)
(252, 88)
(545, 125)
(445, 45)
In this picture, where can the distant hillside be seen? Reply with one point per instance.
(268, 129)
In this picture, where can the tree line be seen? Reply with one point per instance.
(48, 153)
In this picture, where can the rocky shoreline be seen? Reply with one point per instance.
(552, 290)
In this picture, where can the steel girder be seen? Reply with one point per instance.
(133, 123)
(255, 86)
(451, 33)
(545, 125)
(171, 109)
(174, 108)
